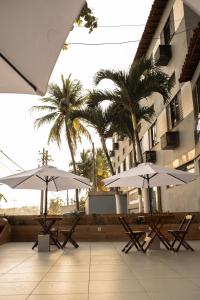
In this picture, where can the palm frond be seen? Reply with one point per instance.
(45, 119)
(118, 77)
(43, 108)
(55, 132)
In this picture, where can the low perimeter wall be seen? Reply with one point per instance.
(94, 227)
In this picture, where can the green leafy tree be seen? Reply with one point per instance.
(94, 167)
(54, 206)
(87, 19)
(59, 104)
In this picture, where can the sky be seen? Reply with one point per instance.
(18, 138)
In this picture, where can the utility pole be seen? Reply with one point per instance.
(45, 158)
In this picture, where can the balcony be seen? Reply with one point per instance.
(169, 140)
(163, 55)
(150, 156)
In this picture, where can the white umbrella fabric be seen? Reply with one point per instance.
(46, 178)
(147, 175)
(32, 34)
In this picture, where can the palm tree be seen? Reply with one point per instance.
(100, 120)
(59, 105)
(143, 78)
(122, 123)
(90, 167)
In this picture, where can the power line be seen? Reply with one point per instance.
(121, 43)
(11, 160)
(6, 167)
(113, 26)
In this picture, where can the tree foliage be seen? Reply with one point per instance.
(54, 206)
(94, 168)
(87, 18)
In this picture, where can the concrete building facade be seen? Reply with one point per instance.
(172, 37)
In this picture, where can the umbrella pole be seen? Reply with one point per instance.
(149, 196)
(46, 191)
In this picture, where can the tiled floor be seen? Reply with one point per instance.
(98, 271)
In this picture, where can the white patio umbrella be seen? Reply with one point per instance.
(32, 34)
(46, 178)
(147, 175)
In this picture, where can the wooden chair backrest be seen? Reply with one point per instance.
(75, 223)
(185, 224)
(125, 224)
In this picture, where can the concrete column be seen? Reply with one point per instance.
(140, 202)
(118, 204)
(146, 201)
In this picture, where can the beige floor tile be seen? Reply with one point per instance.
(33, 269)
(54, 288)
(70, 268)
(109, 268)
(168, 284)
(20, 277)
(156, 273)
(120, 296)
(96, 276)
(21, 297)
(106, 261)
(67, 276)
(115, 286)
(176, 295)
(61, 297)
(16, 288)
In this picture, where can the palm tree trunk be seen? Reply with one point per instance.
(117, 196)
(73, 163)
(139, 150)
(140, 157)
(134, 151)
(107, 155)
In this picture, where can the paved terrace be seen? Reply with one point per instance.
(98, 271)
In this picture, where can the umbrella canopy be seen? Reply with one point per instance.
(147, 175)
(32, 35)
(46, 178)
(194, 5)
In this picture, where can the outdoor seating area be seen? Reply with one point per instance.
(143, 240)
(96, 271)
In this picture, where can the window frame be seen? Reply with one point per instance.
(174, 111)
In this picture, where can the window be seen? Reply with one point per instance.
(123, 150)
(118, 170)
(168, 30)
(153, 135)
(174, 111)
(196, 97)
(130, 160)
(124, 165)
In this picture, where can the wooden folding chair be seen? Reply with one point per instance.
(180, 234)
(133, 235)
(69, 232)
